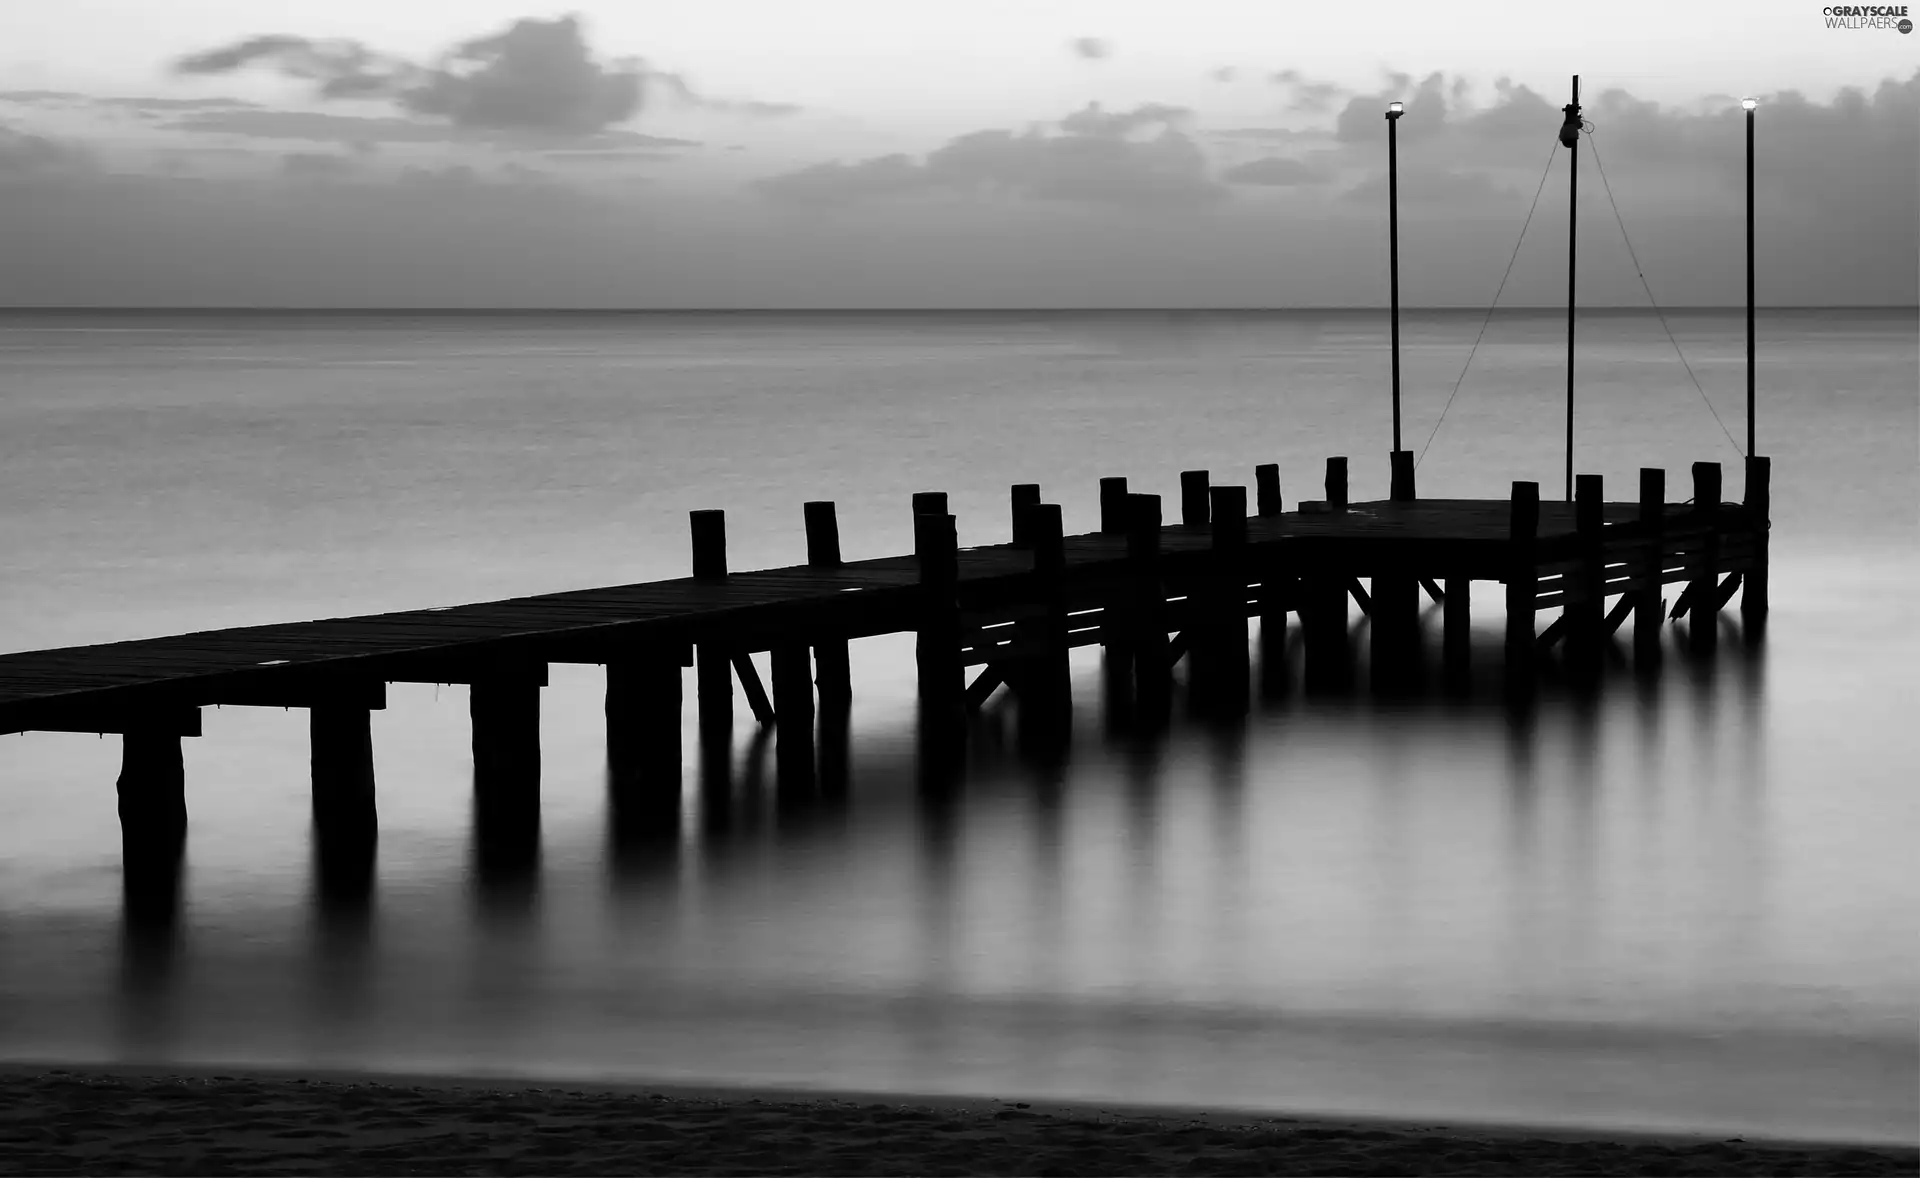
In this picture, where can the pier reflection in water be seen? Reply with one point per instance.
(1563, 908)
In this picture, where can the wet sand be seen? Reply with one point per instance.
(150, 1121)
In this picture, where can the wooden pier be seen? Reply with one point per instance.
(1153, 591)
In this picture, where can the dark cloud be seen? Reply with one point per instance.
(1094, 162)
(1225, 73)
(1091, 120)
(1307, 94)
(137, 104)
(838, 183)
(363, 129)
(677, 88)
(1424, 186)
(27, 155)
(1270, 134)
(536, 76)
(617, 155)
(1276, 172)
(312, 165)
(1091, 48)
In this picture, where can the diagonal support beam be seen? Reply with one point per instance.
(1434, 592)
(1360, 597)
(984, 685)
(750, 683)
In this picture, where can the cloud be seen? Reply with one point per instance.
(1270, 134)
(1275, 172)
(536, 76)
(618, 155)
(1094, 162)
(1307, 94)
(836, 183)
(22, 154)
(1424, 187)
(1091, 120)
(311, 165)
(323, 127)
(137, 104)
(1091, 48)
(1225, 73)
(676, 87)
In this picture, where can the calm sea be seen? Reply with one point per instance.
(1688, 904)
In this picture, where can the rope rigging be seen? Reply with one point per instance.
(1587, 127)
(1542, 187)
(1594, 146)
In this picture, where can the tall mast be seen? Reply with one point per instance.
(1570, 138)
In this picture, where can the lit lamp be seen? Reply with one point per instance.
(1394, 111)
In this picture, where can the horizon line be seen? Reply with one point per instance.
(1556, 308)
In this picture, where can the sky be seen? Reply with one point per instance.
(848, 153)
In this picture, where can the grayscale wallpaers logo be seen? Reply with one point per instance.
(1867, 16)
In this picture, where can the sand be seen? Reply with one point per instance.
(101, 1121)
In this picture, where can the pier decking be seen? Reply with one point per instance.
(1151, 592)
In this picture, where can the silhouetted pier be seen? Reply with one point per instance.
(1156, 593)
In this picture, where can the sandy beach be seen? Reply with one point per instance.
(77, 1120)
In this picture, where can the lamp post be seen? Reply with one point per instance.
(1394, 111)
(1749, 104)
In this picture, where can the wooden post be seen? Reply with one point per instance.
(943, 682)
(713, 666)
(505, 709)
(1113, 505)
(831, 670)
(643, 707)
(709, 544)
(1394, 649)
(1653, 563)
(152, 791)
(1045, 684)
(929, 503)
(793, 713)
(1219, 658)
(1523, 581)
(1584, 597)
(1336, 484)
(823, 534)
(1703, 616)
(1025, 496)
(1402, 481)
(1152, 669)
(1266, 483)
(1323, 621)
(341, 758)
(1193, 498)
(1759, 495)
(1457, 632)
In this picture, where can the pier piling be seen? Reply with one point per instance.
(1759, 504)
(1523, 582)
(1113, 505)
(1648, 607)
(1193, 498)
(644, 748)
(832, 673)
(1336, 484)
(341, 760)
(1147, 609)
(1024, 496)
(1703, 612)
(1266, 484)
(1218, 658)
(1044, 683)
